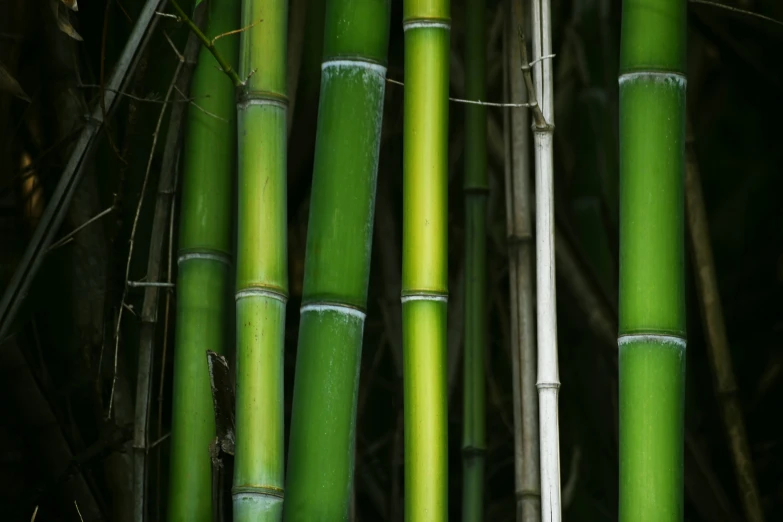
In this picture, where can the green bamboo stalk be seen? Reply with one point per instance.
(424, 257)
(652, 295)
(204, 268)
(337, 264)
(476, 189)
(262, 262)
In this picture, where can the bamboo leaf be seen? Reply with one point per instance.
(9, 84)
(63, 21)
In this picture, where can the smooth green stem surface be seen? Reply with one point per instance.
(337, 265)
(262, 263)
(204, 279)
(424, 258)
(476, 189)
(652, 289)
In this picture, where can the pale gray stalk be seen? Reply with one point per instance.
(520, 256)
(548, 376)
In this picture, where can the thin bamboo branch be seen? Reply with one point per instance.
(149, 311)
(519, 226)
(58, 205)
(717, 340)
(209, 44)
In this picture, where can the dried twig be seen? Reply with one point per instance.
(149, 310)
(717, 339)
(66, 238)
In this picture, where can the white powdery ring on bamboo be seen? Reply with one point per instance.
(333, 307)
(426, 24)
(244, 104)
(425, 297)
(260, 292)
(220, 258)
(671, 340)
(666, 77)
(355, 64)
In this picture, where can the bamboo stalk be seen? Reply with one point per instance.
(337, 263)
(204, 258)
(520, 254)
(262, 262)
(476, 190)
(652, 294)
(424, 265)
(717, 340)
(548, 380)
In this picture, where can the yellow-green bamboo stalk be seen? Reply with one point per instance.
(424, 257)
(262, 262)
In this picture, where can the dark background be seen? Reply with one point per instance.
(56, 369)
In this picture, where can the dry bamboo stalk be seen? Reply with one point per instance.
(519, 226)
(717, 341)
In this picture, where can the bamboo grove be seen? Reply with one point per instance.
(362, 272)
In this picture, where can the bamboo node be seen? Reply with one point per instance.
(209, 256)
(355, 63)
(527, 493)
(473, 451)
(443, 298)
(249, 98)
(656, 76)
(426, 23)
(332, 307)
(661, 339)
(256, 491)
(261, 292)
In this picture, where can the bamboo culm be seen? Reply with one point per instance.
(424, 257)
(475, 324)
(652, 294)
(337, 265)
(262, 262)
(204, 259)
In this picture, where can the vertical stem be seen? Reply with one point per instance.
(204, 257)
(475, 324)
(520, 238)
(150, 305)
(548, 381)
(652, 295)
(424, 265)
(717, 340)
(262, 262)
(337, 265)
